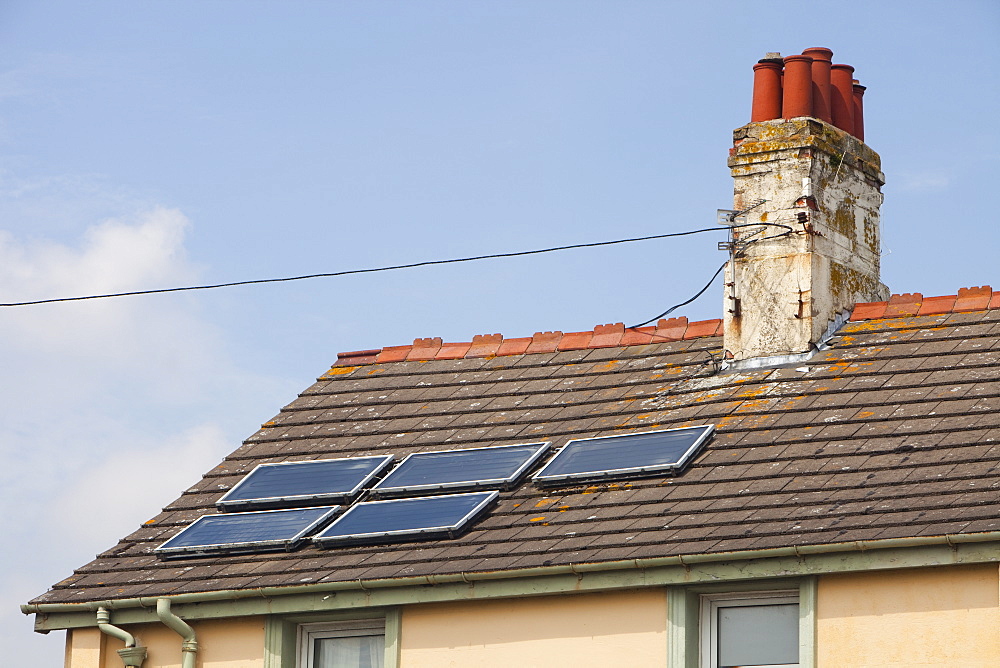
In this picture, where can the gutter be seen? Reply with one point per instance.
(538, 571)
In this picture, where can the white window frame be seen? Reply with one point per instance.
(308, 633)
(708, 627)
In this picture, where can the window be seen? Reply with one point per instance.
(759, 629)
(349, 644)
(706, 618)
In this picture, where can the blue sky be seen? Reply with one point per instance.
(150, 144)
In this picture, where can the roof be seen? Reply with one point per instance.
(893, 431)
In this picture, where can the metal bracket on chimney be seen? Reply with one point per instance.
(732, 217)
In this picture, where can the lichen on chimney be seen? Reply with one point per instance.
(824, 185)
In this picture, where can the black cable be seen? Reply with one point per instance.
(389, 268)
(788, 230)
(677, 306)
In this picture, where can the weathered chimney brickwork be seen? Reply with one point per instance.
(822, 181)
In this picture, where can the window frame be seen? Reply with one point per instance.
(282, 647)
(684, 616)
(307, 633)
(708, 629)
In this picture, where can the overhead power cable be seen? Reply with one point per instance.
(410, 265)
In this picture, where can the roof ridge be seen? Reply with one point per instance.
(665, 331)
(909, 304)
(610, 335)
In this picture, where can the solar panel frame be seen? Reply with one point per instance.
(673, 468)
(286, 543)
(227, 503)
(384, 490)
(401, 535)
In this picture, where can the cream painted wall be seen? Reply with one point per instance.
(610, 629)
(84, 648)
(947, 617)
(238, 643)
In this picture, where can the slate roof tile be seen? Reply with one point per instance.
(894, 431)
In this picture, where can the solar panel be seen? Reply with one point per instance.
(404, 519)
(259, 531)
(624, 456)
(303, 483)
(498, 467)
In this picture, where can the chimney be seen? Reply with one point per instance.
(809, 176)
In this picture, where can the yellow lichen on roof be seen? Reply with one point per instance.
(340, 370)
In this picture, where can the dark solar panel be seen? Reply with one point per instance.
(303, 483)
(403, 519)
(261, 531)
(498, 467)
(624, 456)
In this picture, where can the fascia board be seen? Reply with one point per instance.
(361, 595)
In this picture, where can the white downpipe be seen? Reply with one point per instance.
(189, 647)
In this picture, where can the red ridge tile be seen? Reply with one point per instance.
(545, 342)
(673, 329)
(937, 305)
(608, 336)
(904, 305)
(356, 357)
(869, 310)
(702, 328)
(638, 336)
(973, 299)
(425, 349)
(575, 341)
(514, 346)
(484, 345)
(393, 354)
(453, 351)
(670, 330)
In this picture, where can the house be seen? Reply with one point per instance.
(835, 500)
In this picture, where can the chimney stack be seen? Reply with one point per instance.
(807, 177)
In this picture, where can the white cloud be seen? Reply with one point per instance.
(108, 408)
(130, 485)
(106, 345)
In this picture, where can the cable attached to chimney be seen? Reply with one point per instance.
(677, 306)
(788, 230)
(410, 265)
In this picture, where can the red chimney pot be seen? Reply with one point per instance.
(822, 58)
(766, 91)
(859, 111)
(797, 87)
(842, 97)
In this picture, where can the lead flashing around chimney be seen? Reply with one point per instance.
(778, 361)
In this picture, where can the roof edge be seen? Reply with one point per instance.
(641, 564)
(664, 331)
